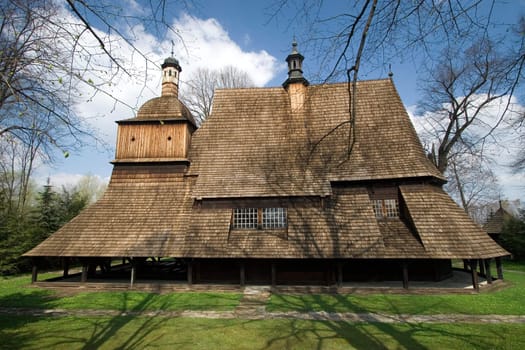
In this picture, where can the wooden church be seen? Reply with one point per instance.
(285, 185)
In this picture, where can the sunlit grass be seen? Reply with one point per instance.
(187, 333)
(508, 301)
(17, 292)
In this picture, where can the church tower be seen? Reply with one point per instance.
(161, 131)
(296, 84)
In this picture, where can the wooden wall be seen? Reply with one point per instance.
(152, 141)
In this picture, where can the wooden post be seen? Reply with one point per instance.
(405, 274)
(34, 272)
(133, 272)
(65, 262)
(339, 274)
(482, 267)
(242, 274)
(498, 268)
(83, 277)
(488, 273)
(465, 265)
(473, 269)
(190, 272)
(274, 275)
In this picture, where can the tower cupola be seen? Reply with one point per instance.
(295, 67)
(170, 77)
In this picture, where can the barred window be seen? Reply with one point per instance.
(386, 208)
(265, 218)
(245, 218)
(274, 217)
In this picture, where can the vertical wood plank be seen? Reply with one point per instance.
(488, 273)
(65, 263)
(404, 265)
(190, 272)
(242, 274)
(274, 275)
(83, 277)
(339, 274)
(482, 267)
(34, 272)
(133, 273)
(499, 268)
(474, 273)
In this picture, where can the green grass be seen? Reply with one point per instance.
(509, 301)
(514, 265)
(15, 292)
(107, 332)
(187, 333)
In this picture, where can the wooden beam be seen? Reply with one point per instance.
(482, 267)
(404, 265)
(339, 274)
(34, 272)
(465, 265)
(488, 274)
(499, 268)
(474, 272)
(190, 272)
(65, 265)
(83, 277)
(274, 275)
(133, 272)
(242, 274)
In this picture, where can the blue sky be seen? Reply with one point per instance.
(218, 33)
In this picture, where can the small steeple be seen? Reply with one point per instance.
(170, 76)
(295, 67)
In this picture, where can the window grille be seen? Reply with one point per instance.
(386, 208)
(391, 208)
(273, 218)
(245, 218)
(265, 218)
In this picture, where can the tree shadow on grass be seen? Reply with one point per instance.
(366, 335)
(123, 327)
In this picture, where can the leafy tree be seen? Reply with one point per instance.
(513, 236)
(47, 213)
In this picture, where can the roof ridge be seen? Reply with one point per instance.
(260, 88)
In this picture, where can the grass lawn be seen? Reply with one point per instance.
(15, 292)
(509, 301)
(187, 333)
(107, 332)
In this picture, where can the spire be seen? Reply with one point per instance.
(295, 65)
(170, 76)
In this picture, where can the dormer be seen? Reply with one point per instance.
(161, 131)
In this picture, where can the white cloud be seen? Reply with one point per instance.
(67, 180)
(202, 43)
(207, 44)
(500, 147)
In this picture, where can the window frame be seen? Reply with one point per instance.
(265, 218)
(386, 208)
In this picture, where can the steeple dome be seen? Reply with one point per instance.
(170, 76)
(295, 67)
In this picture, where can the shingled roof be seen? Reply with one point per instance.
(495, 222)
(256, 146)
(166, 107)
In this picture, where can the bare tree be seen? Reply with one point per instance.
(37, 82)
(471, 182)
(200, 90)
(461, 90)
